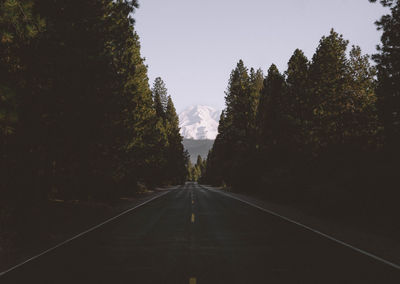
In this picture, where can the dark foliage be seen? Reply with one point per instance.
(321, 133)
(77, 117)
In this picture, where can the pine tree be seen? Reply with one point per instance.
(297, 101)
(85, 125)
(147, 138)
(342, 96)
(230, 160)
(361, 121)
(388, 65)
(297, 84)
(160, 97)
(175, 151)
(328, 84)
(270, 110)
(201, 166)
(189, 172)
(20, 28)
(237, 103)
(241, 100)
(256, 85)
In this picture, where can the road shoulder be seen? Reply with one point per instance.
(60, 221)
(373, 243)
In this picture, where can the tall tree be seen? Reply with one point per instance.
(76, 100)
(160, 97)
(270, 107)
(297, 84)
(360, 119)
(328, 84)
(256, 84)
(175, 151)
(297, 100)
(238, 115)
(388, 65)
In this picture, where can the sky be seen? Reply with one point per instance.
(194, 45)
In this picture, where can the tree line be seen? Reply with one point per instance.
(78, 119)
(326, 131)
(196, 172)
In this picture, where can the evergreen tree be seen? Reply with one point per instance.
(201, 165)
(189, 171)
(199, 162)
(241, 100)
(255, 87)
(270, 109)
(237, 103)
(160, 97)
(147, 137)
(230, 160)
(77, 117)
(297, 102)
(20, 28)
(388, 65)
(218, 155)
(175, 151)
(297, 85)
(328, 84)
(342, 97)
(361, 121)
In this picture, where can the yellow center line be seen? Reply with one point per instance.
(192, 201)
(192, 217)
(192, 280)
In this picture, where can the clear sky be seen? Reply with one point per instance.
(193, 45)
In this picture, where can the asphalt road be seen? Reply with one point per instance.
(195, 235)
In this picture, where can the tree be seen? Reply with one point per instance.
(230, 160)
(256, 84)
(20, 27)
(297, 85)
(270, 109)
(160, 97)
(175, 151)
(76, 101)
(218, 156)
(189, 171)
(361, 121)
(342, 97)
(328, 84)
(388, 65)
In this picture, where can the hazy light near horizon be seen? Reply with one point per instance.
(194, 45)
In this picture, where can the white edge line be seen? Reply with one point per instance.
(83, 233)
(312, 230)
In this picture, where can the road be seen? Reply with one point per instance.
(197, 235)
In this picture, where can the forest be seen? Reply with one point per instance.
(86, 137)
(78, 118)
(325, 133)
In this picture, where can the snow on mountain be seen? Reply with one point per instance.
(199, 122)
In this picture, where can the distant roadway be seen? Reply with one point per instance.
(194, 234)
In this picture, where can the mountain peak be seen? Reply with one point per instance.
(199, 122)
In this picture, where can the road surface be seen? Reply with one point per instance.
(196, 235)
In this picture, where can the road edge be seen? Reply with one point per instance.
(371, 255)
(2, 273)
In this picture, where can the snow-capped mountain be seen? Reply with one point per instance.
(199, 122)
